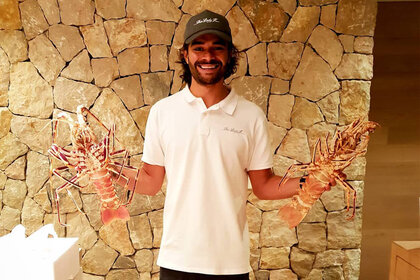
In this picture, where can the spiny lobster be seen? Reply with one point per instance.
(94, 159)
(328, 162)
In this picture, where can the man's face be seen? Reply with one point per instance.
(207, 57)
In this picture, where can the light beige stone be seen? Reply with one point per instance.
(178, 40)
(66, 39)
(156, 218)
(14, 43)
(312, 237)
(33, 19)
(133, 61)
(86, 276)
(9, 218)
(276, 135)
(37, 172)
(283, 59)
(242, 32)
(32, 216)
(257, 60)
(3, 179)
(219, 6)
(69, 94)
(343, 233)
(16, 170)
(316, 2)
(29, 94)
(53, 219)
(140, 232)
(301, 24)
(14, 193)
(164, 10)
(124, 262)
(333, 273)
(127, 274)
(348, 42)
(140, 117)
(144, 260)
(4, 88)
(91, 206)
(295, 145)
(301, 261)
(279, 86)
(329, 106)
(148, 275)
(355, 101)
(305, 114)
(326, 44)
(46, 58)
(241, 69)
(129, 90)
(79, 68)
(139, 205)
(50, 10)
(10, 149)
(104, 70)
(320, 131)
(356, 170)
(33, 132)
(77, 12)
(99, 259)
(125, 33)
(328, 15)
(316, 214)
(356, 17)
(157, 201)
(9, 18)
(355, 66)
(275, 233)
(156, 86)
(160, 32)
(5, 120)
(351, 264)
(274, 258)
(110, 110)
(282, 274)
(314, 78)
(329, 258)
(254, 243)
(268, 19)
(158, 58)
(115, 235)
(79, 227)
(262, 274)
(95, 39)
(254, 260)
(42, 199)
(67, 196)
(315, 274)
(363, 45)
(109, 9)
(63, 138)
(254, 216)
(281, 164)
(333, 200)
(255, 89)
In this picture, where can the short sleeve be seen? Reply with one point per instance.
(152, 149)
(261, 157)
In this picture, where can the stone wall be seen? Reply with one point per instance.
(307, 63)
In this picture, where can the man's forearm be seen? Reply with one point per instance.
(271, 189)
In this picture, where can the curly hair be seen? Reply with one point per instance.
(231, 67)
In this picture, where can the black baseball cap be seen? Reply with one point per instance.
(207, 22)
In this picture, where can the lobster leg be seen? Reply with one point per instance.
(73, 180)
(349, 188)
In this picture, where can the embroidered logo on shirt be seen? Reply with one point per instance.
(206, 20)
(231, 129)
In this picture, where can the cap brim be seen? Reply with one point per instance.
(218, 33)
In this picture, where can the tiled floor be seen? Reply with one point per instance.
(392, 183)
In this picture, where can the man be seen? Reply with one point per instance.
(207, 140)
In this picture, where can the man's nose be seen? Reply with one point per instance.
(208, 55)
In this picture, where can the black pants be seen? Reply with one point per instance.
(169, 274)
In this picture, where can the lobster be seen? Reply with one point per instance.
(93, 159)
(327, 165)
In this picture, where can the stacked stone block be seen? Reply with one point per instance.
(307, 64)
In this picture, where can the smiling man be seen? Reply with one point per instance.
(208, 140)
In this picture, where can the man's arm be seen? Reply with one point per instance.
(265, 185)
(149, 181)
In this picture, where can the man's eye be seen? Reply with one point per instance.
(198, 49)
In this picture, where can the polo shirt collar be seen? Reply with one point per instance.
(228, 104)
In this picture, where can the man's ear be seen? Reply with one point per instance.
(185, 53)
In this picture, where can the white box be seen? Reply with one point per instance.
(38, 257)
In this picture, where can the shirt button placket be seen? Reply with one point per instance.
(204, 123)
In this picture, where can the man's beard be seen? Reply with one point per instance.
(215, 78)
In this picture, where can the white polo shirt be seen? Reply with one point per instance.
(206, 153)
